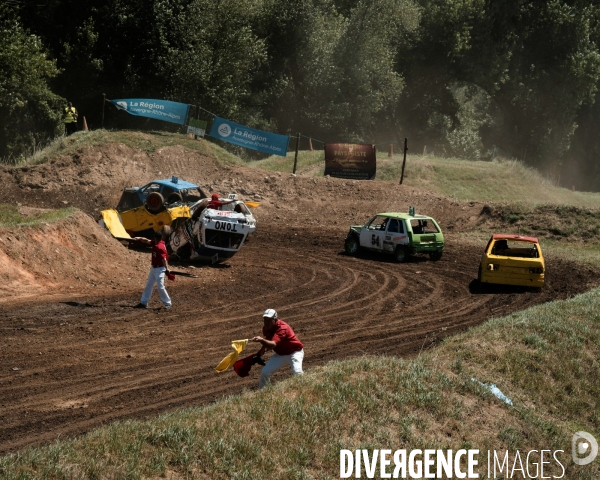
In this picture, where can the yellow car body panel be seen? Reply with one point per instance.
(140, 219)
(522, 265)
(113, 223)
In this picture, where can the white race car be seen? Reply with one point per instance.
(212, 233)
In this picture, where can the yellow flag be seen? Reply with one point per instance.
(238, 346)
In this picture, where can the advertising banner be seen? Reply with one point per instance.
(347, 160)
(197, 127)
(249, 137)
(164, 110)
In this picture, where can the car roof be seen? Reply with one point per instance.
(180, 185)
(518, 238)
(405, 216)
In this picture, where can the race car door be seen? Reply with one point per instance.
(395, 235)
(373, 234)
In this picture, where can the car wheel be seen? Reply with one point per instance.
(174, 197)
(155, 202)
(435, 256)
(481, 287)
(351, 245)
(401, 254)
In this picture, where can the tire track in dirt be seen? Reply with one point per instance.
(91, 362)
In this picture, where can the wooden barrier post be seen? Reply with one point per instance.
(404, 161)
(296, 156)
(103, 103)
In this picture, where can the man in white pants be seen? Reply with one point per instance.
(279, 337)
(160, 267)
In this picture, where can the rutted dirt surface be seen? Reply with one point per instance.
(75, 355)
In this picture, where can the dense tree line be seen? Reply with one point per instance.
(467, 78)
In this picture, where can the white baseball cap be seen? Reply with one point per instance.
(270, 313)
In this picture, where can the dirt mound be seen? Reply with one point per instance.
(94, 178)
(68, 257)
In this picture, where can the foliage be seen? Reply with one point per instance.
(30, 113)
(213, 55)
(334, 75)
(466, 78)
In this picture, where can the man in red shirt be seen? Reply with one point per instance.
(216, 202)
(160, 267)
(279, 337)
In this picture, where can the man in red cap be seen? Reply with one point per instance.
(279, 337)
(216, 202)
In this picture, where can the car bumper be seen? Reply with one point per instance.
(532, 280)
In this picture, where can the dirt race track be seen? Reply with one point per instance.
(75, 355)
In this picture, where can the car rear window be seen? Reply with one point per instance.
(511, 248)
(421, 226)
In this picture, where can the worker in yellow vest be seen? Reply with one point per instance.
(70, 117)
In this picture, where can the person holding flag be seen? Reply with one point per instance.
(279, 337)
(158, 270)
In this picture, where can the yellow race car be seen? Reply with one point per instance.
(512, 260)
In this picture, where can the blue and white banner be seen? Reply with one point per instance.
(243, 136)
(164, 110)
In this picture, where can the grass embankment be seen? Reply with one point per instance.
(147, 142)
(500, 180)
(504, 181)
(568, 232)
(14, 216)
(546, 359)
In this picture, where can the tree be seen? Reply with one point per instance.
(30, 114)
(331, 70)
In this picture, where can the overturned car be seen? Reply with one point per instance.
(200, 228)
(215, 233)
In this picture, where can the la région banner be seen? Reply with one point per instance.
(243, 136)
(164, 110)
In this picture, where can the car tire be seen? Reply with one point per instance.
(155, 202)
(401, 254)
(481, 287)
(352, 245)
(174, 197)
(435, 256)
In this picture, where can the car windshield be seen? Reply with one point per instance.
(511, 248)
(151, 187)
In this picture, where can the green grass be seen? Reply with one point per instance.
(500, 180)
(546, 359)
(496, 181)
(312, 163)
(10, 216)
(147, 142)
